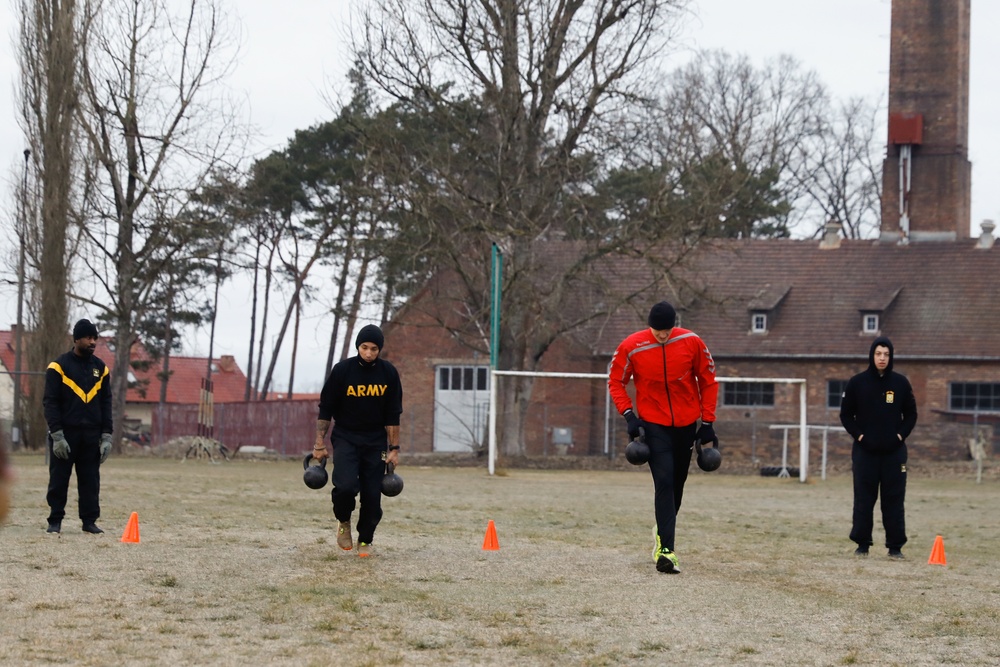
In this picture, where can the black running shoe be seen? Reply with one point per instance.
(54, 527)
(897, 554)
(92, 528)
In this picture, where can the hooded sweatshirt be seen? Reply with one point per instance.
(879, 406)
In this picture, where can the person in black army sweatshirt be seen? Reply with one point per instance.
(77, 405)
(879, 410)
(363, 398)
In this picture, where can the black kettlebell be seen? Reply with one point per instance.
(315, 475)
(637, 451)
(709, 458)
(392, 484)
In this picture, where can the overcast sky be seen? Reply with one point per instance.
(294, 57)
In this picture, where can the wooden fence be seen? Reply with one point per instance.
(286, 427)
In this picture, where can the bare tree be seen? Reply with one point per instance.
(743, 127)
(838, 171)
(782, 156)
(528, 99)
(297, 267)
(154, 133)
(48, 53)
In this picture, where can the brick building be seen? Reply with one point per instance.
(783, 309)
(766, 309)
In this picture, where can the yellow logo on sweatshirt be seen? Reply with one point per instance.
(890, 396)
(367, 390)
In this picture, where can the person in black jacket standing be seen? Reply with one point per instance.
(879, 410)
(77, 405)
(363, 397)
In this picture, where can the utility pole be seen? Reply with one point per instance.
(15, 436)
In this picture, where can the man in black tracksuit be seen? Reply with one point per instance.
(77, 404)
(363, 397)
(879, 411)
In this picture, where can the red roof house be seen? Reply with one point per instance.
(183, 386)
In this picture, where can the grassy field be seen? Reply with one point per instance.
(237, 565)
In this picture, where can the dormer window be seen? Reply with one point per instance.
(875, 304)
(765, 307)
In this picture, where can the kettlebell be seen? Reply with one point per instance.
(392, 484)
(315, 475)
(637, 451)
(709, 458)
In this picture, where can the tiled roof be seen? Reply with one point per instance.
(228, 381)
(934, 299)
(186, 373)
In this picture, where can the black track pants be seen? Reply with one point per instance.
(358, 470)
(874, 473)
(85, 455)
(669, 460)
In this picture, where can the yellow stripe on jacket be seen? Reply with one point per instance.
(86, 397)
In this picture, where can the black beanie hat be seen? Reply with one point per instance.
(370, 334)
(84, 329)
(662, 316)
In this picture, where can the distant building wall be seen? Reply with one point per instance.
(939, 435)
(744, 430)
(6, 396)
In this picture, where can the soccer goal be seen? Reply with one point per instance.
(596, 418)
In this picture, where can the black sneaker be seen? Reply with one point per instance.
(897, 554)
(92, 528)
(861, 552)
(54, 527)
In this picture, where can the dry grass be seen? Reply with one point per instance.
(238, 566)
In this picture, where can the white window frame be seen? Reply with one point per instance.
(870, 318)
(758, 322)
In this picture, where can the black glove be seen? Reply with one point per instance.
(706, 433)
(634, 424)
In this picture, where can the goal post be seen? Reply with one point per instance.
(608, 409)
(492, 448)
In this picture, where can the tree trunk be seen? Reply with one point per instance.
(295, 351)
(248, 392)
(53, 105)
(359, 285)
(338, 309)
(268, 275)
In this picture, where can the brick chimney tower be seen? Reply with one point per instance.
(927, 176)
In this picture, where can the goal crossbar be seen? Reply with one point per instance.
(803, 423)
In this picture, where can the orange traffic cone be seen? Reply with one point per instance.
(490, 540)
(131, 533)
(937, 552)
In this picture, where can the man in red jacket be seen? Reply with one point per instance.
(675, 387)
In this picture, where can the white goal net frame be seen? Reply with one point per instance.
(492, 426)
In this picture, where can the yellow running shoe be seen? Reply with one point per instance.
(665, 559)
